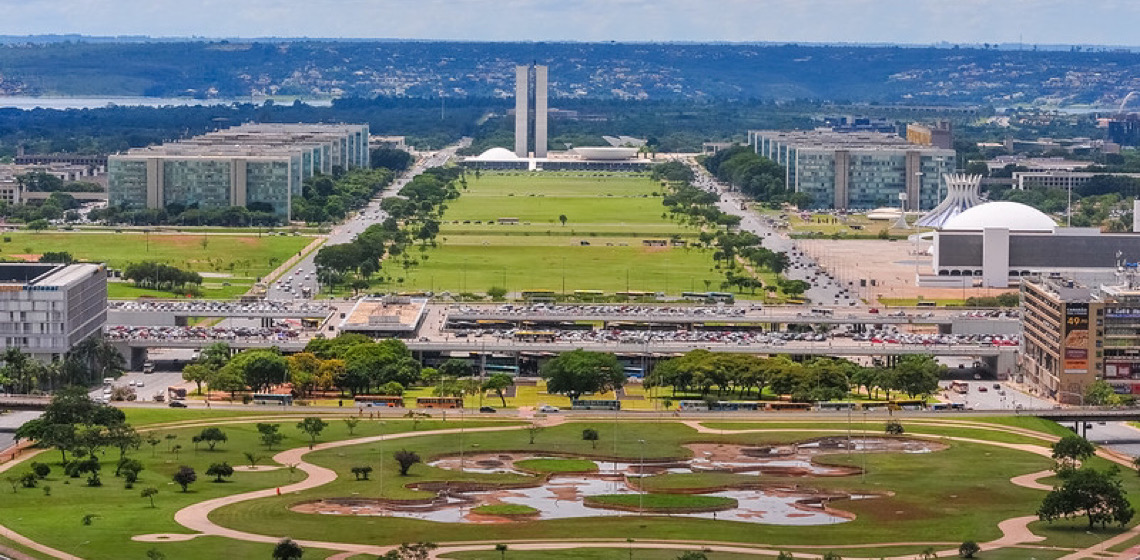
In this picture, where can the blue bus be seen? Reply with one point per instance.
(595, 404)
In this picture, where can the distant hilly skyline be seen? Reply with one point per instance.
(916, 22)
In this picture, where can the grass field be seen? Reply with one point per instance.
(237, 260)
(662, 502)
(599, 248)
(971, 495)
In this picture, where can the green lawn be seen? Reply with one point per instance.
(504, 509)
(597, 554)
(237, 260)
(599, 248)
(973, 492)
(557, 465)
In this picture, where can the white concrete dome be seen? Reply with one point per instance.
(497, 154)
(1013, 216)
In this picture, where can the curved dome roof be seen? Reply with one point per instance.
(497, 154)
(1011, 215)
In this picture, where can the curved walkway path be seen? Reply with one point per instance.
(1015, 531)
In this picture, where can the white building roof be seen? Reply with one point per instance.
(497, 154)
(1013, 216)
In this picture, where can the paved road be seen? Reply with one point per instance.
(825, 290)
(303, 274)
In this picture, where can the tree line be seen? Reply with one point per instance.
(755, 175)
(818, 379)
(158, 276)
(90, 361)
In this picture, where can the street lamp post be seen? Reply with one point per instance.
(641, 480)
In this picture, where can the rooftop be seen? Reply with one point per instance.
(829, 139)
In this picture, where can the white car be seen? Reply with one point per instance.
(547, 409)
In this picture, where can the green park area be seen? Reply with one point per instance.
(229, 263)
(975, 459)
(602, 245)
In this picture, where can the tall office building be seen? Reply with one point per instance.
(530, 111)
(856, 170)
(46, 309)
(260, 164)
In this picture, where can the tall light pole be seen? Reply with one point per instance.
(641, 480)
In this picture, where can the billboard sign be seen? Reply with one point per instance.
(1076, 358)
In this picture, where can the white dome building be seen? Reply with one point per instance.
(1013, 216)
(497, 154)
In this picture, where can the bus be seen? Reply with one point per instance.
(535, 336)
(695, 296)
(948, 406)
(439, 402)
(734, 406)
(538, 295)
(635, 295)
(828, 405)
(908, 404)
(499, 368)
(722, 297)
(788, 407)
(493, 324)
(268, 398)
(823, 312)
(595, 404)
(693, 406)
(389, 401)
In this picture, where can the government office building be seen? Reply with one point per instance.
(857, 170)
(46, 309)
(239, 166)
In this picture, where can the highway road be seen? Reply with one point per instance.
(825, 290)
(304, 273)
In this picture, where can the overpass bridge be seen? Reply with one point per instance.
(947, 324)
(178, 314)
(999, 358)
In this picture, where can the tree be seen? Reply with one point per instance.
(579, 372)
(1071, 449)
(269, 434)
(968, 549)
(42, 470)
(351, 424)
(362, 472)
(497, 293)
(590, 435)
(185, 477)
(1100, 393)
(533, 430)
(149, 493)
(414, 551)
(220, 471)
(501, 548)
(692, 555)
(406, 459)
(1096, 495)
(287, 549)
(130, 469)
(260, 369)
(197, 373)
(312, 426)
(562, 218)
(499, 384)
(252, 459)
(29, 480)
(917, 375)
(212, 436)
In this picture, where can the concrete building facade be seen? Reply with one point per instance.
(1073, 335)
(531, 111)
(862, 170)
(46, 309)
(252, 163)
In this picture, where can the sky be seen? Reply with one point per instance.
(1063, 22)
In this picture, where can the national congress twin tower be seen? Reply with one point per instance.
(252, 165)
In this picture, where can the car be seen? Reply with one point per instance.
(140, 384)
(983, 389)
(148, 367)
(177, 404)
(997, 385)
(487, 410)
(547, 408)
(873, 311)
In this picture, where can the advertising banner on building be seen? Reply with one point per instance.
(1076, 359)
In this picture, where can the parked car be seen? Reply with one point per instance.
(487, 409)
(177, 404)
(547, 408)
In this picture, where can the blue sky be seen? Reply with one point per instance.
(900, 21)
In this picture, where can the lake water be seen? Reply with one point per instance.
(28, 103)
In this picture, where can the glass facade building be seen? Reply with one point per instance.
(857, 171)
(262, 164)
